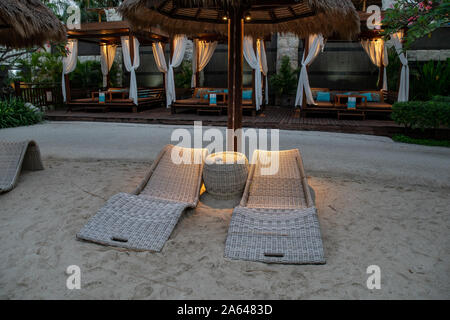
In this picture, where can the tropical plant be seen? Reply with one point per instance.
(393, 70)
(285, 81)
(88, 74)
(184, 75)
(418, 17)
(429, 79)
(42, 68)
(14, 113)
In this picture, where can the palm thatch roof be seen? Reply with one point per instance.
(301, 17)
(26, 23)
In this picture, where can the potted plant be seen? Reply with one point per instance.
(284, 83)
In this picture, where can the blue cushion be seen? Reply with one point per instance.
(247, 95)
(205, 96)
(225, 90)
(323, 96)
(368, 96)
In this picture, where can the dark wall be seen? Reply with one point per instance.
(342, 66)
(88, 49)
(215, 73)
(148, 75)
(440, 39)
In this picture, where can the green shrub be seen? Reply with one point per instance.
(15, 113)
(422, 115)
(184, 76)
(441, 99)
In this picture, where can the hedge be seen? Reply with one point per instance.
(422, 114)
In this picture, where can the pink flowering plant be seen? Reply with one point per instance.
(418, 18)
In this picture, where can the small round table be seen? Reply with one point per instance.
(225, 174)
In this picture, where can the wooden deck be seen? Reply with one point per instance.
(270, 118)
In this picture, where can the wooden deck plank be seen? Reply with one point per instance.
(270, 118)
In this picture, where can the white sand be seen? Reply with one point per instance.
(403, 228)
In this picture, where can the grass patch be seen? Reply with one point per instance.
(425, 142)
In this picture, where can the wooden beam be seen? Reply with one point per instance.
(273, 15)
(199, 10)
(294, 15)
(131, 41)
(235, 71)
(67, 85)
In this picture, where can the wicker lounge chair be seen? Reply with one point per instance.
(15, 156)
(276, 221)
(144, 220)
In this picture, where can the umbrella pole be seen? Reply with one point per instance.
(235, 70)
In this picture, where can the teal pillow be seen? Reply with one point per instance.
(323, 96)
(225, 90)
(206, 96)
(351, 104)
(247, 95)
(368, 96)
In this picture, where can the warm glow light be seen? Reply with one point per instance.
(225, 18)
(248, 18)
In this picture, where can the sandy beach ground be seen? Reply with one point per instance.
(398, 221)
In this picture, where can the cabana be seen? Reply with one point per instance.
(367, 102)
(28, 23)
(324, 100)
(213, 99)
(110, 35)
(231, 17)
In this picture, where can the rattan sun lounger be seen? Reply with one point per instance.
(276, 221)
(145, 219)
(15, 156)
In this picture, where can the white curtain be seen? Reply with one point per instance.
(202, 54)
(131, 68)
(69, 62)
(107, 55)
(158, 54)
(179, 43)
(316, 45)
(254, 60)
(377, 52)
(264, 68)
(403, 91)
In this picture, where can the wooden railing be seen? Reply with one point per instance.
(39, 95)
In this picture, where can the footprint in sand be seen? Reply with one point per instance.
(142, 291)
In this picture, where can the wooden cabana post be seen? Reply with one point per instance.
(235, 71)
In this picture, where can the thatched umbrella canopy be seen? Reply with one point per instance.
(26, 23)
(301, 17)
(257, 17)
